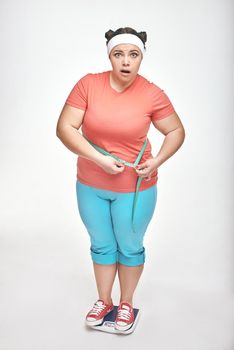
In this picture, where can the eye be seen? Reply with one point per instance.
(117, 54)
(134, 54)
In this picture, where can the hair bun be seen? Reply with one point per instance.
(109, 34)
(143, 36)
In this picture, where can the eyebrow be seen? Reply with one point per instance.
(135, 50)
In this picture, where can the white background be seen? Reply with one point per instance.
(47, 284)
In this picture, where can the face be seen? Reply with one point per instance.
(125, 60)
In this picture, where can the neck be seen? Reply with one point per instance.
(118, 83)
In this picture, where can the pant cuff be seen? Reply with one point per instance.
(131, 261)
(104, 258)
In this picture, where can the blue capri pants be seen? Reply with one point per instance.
(107, 216)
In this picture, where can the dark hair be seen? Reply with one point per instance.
(141, 35)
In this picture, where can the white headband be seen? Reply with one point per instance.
(125, 38)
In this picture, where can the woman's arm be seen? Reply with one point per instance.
(174, 133)
(67, 131)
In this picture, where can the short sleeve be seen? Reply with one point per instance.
(78, 97)
(161, 104)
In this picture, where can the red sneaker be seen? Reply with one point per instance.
(125, 316)
(96, 315)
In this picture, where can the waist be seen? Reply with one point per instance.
(91, 174)
(132, 163)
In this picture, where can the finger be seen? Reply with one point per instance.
(119, 164)
(141, 170)
(141, 167)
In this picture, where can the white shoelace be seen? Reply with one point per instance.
(124, 313)
(97, 309)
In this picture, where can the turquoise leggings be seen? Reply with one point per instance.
(107, 216)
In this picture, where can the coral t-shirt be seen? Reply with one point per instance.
(118, 122)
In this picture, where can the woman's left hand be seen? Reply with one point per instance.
(146, 169)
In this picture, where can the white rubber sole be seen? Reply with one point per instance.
(123, 328)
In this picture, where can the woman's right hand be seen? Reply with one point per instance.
(111, 165)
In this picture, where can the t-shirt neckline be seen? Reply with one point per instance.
(119, 92)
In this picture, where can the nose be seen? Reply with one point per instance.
(125, 60)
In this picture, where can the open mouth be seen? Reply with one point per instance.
(125, 71)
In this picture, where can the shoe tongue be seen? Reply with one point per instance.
(125, 306)
(100, 302)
